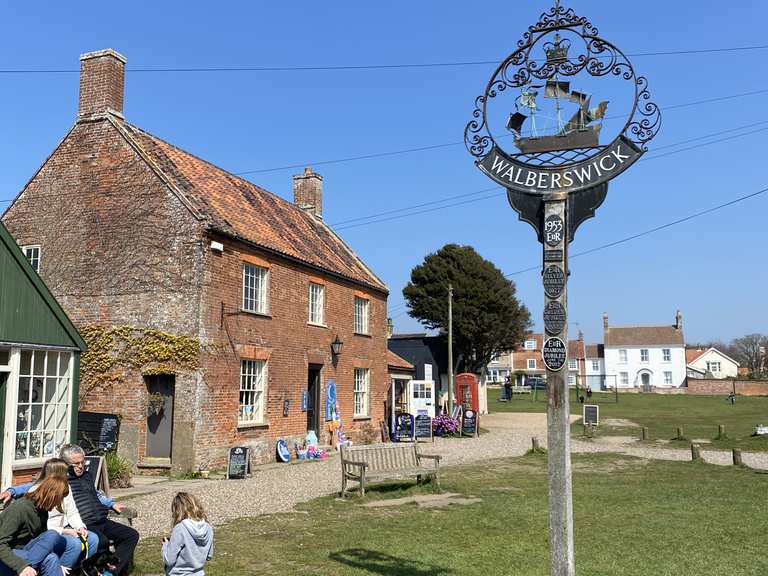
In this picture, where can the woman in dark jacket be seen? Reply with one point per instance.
(26, 547)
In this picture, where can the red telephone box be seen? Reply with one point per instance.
(466, 391)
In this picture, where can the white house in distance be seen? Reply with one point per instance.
(710, 363)
(645, 357)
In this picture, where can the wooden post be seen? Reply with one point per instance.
(679, 433)
(561, 556)
(695, 452)
(450, 350)
(644, 433)
(720, 431)
(534, 444)
(737, 457)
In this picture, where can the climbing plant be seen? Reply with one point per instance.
(114, 350)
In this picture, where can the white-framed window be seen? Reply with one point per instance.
(624, 378)
(643, 354)
(33, 255)
(362, 386)
(253, 380)
(531, 363)
(361, 315)
(713, 367)
(623, 356)
(596, 365)
(668, 378)
(42, 403)
(255, 288)
(316, 303)
(572, 364)
(666, 354)
(571, 379)
(530, 344)
(421, 390)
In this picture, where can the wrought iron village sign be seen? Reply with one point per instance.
(541, 130)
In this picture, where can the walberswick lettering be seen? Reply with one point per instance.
(511, 173)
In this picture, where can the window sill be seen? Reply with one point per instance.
(253, 313)
(363, 334)
(30, 463)
(317, 325)
(361, 418)
(252, 425)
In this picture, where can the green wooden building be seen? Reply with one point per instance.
(39, 367)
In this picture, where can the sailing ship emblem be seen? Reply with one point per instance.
(582, 130)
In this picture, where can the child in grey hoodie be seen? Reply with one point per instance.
(191, 542)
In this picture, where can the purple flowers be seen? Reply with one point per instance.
(444, 425)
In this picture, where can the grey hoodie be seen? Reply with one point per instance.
(191, 544)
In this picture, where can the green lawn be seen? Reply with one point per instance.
(699, 416)
(632, 517)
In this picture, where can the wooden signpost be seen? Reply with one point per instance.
(556, 176)
(238, 463)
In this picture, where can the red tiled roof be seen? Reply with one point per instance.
(238, 208)
(692, 353)
(394, 361)
(576, 349)
(595, 351)
(643, 335)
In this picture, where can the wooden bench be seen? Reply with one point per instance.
(385, 462)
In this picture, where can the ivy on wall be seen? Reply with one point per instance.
(112, 351)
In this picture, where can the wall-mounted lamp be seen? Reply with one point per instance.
(337, 346)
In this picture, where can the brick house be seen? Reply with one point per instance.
(216, 302)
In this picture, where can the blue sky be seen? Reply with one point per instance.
(712, 268)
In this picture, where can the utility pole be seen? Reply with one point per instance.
(450, 348)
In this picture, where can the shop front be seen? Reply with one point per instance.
(39, 367)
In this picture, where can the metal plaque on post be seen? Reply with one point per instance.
(546, 96)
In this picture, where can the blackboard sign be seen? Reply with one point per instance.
(98, 470)
(97, 431)
(403, 428)
(469, 423)
(239, 462)
(423, 426)
(591, 414)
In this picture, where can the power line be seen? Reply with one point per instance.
(353, 67)
(342, 223)
(652, 230)
(461, 142)
(487, 197)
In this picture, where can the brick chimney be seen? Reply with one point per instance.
(102, 83)
(678, 320)
(308, 192)
(605, 320)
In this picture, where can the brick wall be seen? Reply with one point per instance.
(713, 386)
(117, 248)
(289, 344)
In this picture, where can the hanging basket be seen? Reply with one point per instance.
(155, 404)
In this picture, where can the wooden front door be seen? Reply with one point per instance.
(314, 405)
(160, 415)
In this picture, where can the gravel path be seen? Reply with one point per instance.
(279, 487)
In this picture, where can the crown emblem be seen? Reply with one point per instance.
(557, 51)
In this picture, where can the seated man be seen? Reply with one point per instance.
(94, 511)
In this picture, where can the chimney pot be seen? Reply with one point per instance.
(102, 83)
(605, 320)
(308, 192)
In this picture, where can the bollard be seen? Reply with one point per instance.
(535, 444)
(644, 433)
(737, 457)
(721, 431)
(695, 452)
(679, 434)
